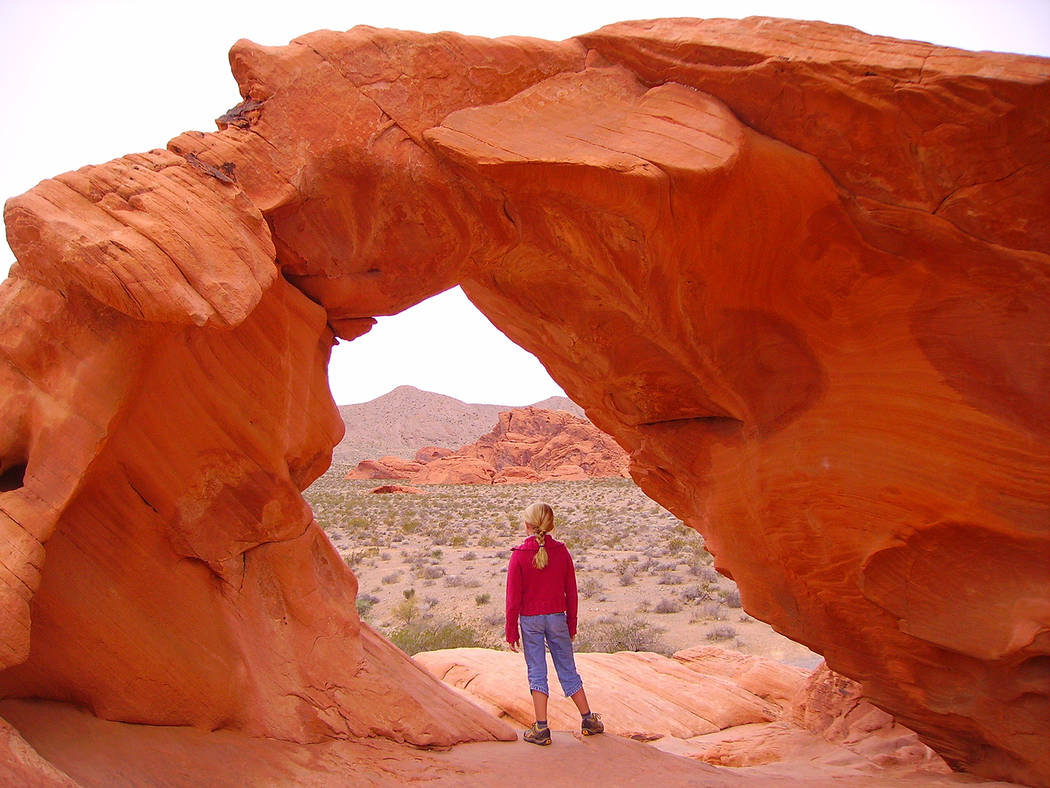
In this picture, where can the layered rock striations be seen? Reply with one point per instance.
(714, 705)
(799, 273)
(526, 445)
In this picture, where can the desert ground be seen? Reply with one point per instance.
(431, 567)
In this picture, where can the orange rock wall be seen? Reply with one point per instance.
(799, 273)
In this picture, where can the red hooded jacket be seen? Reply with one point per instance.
(532, 591)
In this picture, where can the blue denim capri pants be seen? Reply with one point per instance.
(552, 631)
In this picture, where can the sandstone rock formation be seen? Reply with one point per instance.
(799, 273)
(695, 704)
(526, 445)
(400, 421)
(386, 468)
(398, 488)
(431, 453)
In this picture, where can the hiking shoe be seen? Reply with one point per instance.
(538, 735)
(592, 724)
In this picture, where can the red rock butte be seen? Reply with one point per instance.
(526, 445)
(799, 273)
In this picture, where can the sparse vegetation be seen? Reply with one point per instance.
(667, 606)
(413, 638)
(644, 579)
(622, 633)
(721, 632)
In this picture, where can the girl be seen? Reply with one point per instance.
(541, 590)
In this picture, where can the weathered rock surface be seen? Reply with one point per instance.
(101, 753)
(526, 445)
(431, 453)
(770, 680)
(386, 468)
(20, 764)
(695, 705)
(799, 273)
(398, 488)
(641, 695)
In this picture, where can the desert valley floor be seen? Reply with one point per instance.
(431, 567)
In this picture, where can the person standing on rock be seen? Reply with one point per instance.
(541, 595)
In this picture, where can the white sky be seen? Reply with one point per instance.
(85, 81)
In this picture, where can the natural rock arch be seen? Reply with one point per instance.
(798, 272)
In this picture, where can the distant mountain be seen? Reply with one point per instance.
(401, 421)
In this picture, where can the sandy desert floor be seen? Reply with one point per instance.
(425, 560)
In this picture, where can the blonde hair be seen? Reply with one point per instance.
(540, 517)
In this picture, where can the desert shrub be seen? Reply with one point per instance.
(482, 599)
(365, 603)
(676, 544)
(413, 638)
(494, 619)
(627, 578)
(408, 593)
(453, 581)
(433, 572)
(669, 579)
(696, 594)
(410, 526)
(667, 605)
(713, 610)
(470, 556)
(721, 632)
(486, 541)
(406, 610)
(621, 633)
(391, 578)
(731, 597)
(702, 572)
(589, 586)
(643, 606)
(623, 564)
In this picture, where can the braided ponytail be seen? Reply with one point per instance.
(540, 517)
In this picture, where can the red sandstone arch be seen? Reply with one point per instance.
(799, 272)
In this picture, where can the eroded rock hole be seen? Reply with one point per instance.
(12, 476)
(425, 496)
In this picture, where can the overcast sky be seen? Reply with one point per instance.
(85, 81)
